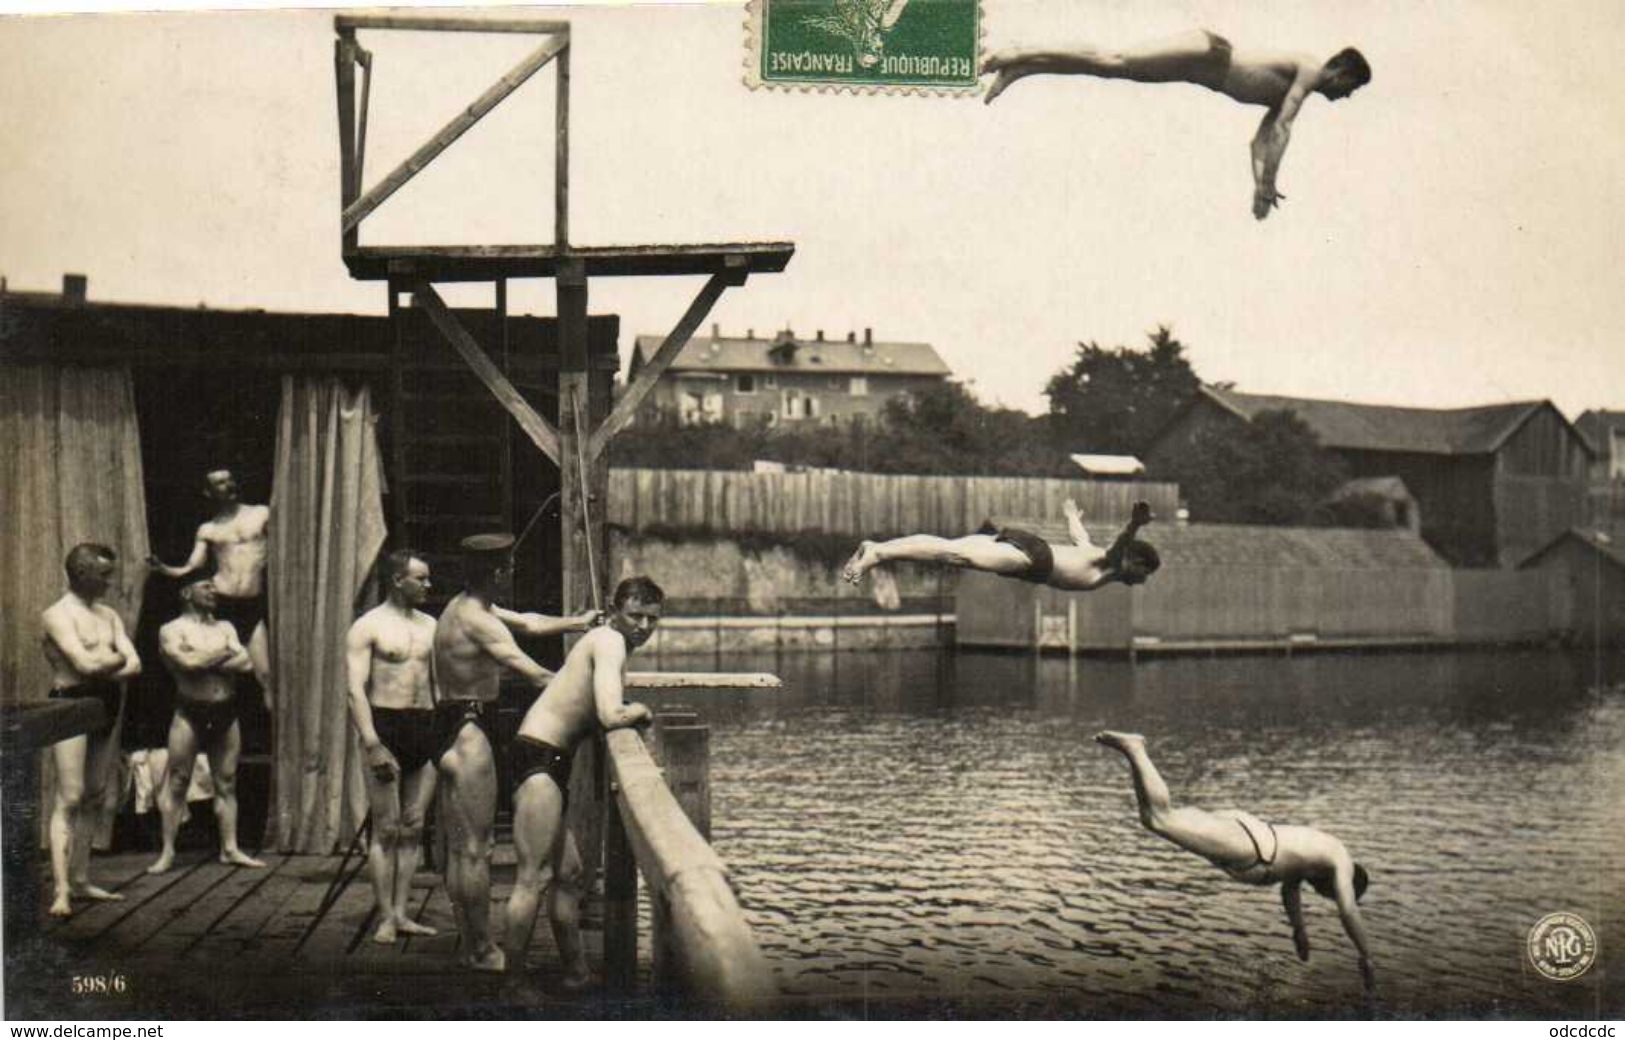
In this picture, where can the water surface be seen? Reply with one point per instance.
(938, 832)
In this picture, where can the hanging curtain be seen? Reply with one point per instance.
(70, 472)
(327, 527)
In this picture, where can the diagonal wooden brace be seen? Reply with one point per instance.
(626, 408)
(538, 429)
(356, 211)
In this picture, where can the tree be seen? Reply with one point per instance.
(1270, 470)
(1115, 401)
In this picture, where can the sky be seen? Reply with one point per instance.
(1451, 234)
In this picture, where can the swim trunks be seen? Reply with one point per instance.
(1040, 557)
(243, 613)
(1263, 836)
(102, 690)
(409, 734)
(529, 756)
(451, 716)
(210, 720)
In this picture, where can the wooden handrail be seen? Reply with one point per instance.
(33, 726)
(720, 960)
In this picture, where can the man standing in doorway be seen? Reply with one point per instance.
(204, 655)
(235, 539)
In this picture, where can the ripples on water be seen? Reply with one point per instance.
(939, 832)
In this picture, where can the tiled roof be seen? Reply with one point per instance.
(1370, 427)
(1251, 545)
(725, 354)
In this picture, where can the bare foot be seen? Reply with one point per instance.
(96, 893)
(1124, 742)
(492, 959)
(860, 563)
(411, 927)
(60, 907)
(385, 934)
(238, 858)
(163, 863)
(1005, 75)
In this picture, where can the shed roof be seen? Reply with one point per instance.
(1601, 544)
(1595, 424)
(737, 354)
(1197, 545)
(1371, 427)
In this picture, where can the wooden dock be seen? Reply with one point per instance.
(212, 941)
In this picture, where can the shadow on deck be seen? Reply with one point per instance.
(212, 941)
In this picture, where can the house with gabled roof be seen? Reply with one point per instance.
(1493, 483)
(1606, 431)
(743, 380)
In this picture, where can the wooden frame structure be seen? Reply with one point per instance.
(586, 427)
(721, 960)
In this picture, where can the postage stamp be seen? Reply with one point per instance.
(891, 46)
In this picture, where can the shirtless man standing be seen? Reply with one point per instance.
(1276, 80)
(90, 656)
(392, 705)
(586, 694)
(235, 539)
(204, 655)
(472, 645)
(1012, 552)
(1254, 852)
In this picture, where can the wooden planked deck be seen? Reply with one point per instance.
(212, 941)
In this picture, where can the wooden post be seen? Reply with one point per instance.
(620, 903)
(399, 507)
(685, 753)
(506, 361)
(664, 718)
(344, 49)
(561, 151)
(576, 591)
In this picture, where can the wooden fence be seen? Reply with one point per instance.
(860, 504)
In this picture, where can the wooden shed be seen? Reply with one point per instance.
(1586, 586)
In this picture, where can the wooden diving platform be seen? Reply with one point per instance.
(210, 941)
(735, 260)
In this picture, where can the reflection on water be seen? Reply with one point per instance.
(924, 827)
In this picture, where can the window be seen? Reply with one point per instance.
(859, 386)
(770, 382)
(745, 383)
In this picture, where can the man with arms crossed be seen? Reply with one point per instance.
(1279, 81)
(236, 540)
(586, 693)
(392, 705)
(90, 656)
(1254, 852)
(472, 645)
(205, 656)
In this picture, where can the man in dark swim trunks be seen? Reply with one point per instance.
(1254, 852)
(1011, 552)
(205, 657)
(472, 646)
(586, 694)
(90, 655)
(1278, 81)
(388, 655)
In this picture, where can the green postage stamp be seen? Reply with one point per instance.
(893, 46)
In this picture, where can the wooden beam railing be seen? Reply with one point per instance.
(703, 945)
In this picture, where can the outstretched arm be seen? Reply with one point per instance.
(1074, 525)
(1139, 516)
(1349, 911)
(545, 625)
(200, 556)
(1292, 899)
(497, 641)
(608, 691)
(1269, 144)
